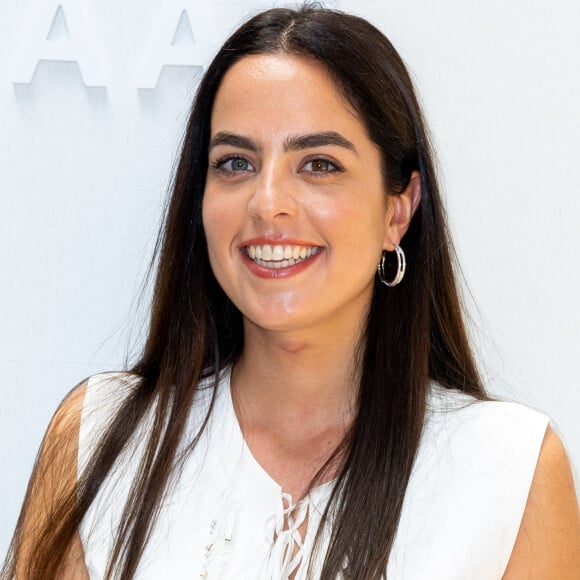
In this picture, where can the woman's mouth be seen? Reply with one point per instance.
(279, 256)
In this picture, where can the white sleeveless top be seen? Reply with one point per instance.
(460, 518)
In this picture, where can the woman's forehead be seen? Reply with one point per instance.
(281, 92)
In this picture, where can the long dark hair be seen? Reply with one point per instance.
(414, 332)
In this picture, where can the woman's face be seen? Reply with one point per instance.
(294, 210)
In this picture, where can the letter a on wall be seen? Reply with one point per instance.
(181, 38)
(59, 32)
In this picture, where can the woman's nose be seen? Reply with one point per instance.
(272, 197)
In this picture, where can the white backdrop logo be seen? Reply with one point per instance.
(61, 31)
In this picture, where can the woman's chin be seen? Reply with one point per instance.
(276, 322)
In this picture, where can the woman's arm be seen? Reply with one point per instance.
(548, 542)
(53, 482)
(74, 567)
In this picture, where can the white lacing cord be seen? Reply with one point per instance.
(285, 528)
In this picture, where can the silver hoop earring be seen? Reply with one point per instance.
(401, 265)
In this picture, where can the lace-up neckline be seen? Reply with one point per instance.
(292, 529)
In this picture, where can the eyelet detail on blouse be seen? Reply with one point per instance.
(217, 552)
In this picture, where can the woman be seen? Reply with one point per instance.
(307, 404)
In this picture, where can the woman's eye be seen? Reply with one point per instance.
(321, 166)
(234, 165)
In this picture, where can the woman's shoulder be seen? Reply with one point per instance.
(484, 440)
(63, 429)
(477, 465)
(548, 541)
(469, 486)
(108, 390)
(105, 395)
(112, 386)
(454, 409)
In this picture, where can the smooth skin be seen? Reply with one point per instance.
(265, 180)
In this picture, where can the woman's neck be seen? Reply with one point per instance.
(285, 379)
(295, 400)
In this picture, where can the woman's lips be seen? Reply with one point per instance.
(276, 256)
(279, 260)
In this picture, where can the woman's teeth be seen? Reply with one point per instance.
(280, 256)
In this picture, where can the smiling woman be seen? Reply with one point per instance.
(299, 412)
(306, 179)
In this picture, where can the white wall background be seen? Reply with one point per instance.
(84, 170)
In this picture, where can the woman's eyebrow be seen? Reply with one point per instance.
(294, 143)
(223, 138)
(318, 140)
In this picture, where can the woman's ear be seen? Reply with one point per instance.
(402, 207)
